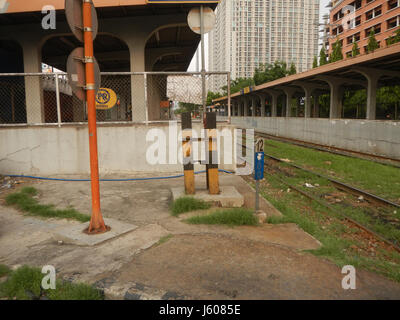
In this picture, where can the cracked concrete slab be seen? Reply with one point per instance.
(228, 197)
(74, 234)
(197, 261)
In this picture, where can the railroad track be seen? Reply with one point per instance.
(342, 186)
(340, 213)
(334, 150)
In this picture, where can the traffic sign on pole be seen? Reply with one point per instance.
(77, 74)
(74, 14)
(84, 25)
(194, 20)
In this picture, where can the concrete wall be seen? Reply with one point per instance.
(368, 136)
(49, 150)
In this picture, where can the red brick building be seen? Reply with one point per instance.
(352, 20)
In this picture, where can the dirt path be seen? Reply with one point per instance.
(198, 262)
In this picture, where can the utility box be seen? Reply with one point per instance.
(258, 166)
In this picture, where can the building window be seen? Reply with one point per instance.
(376, 28)
(393, 4)
(393, 23)
(373, 13)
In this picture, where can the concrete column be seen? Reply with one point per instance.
(336, 100)
(307, 107)
(236, 107)
(274, 108)
(263, 101)
(254, 106)
(371, 96)
(33, 88)
(373, 75)
(289, 95)
(246, 107)
(262, 106)
(316, 106)
(336, 96)
(137, 81)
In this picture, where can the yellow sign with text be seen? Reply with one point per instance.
(106, 99)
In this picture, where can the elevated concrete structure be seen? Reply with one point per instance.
(377, 137)
(133, 36)
(369, 71)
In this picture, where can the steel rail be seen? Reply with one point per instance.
(323, 203)
(341, 185)
(334, 150)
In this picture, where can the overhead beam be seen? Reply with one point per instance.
(377, 71)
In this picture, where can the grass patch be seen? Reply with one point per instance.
(187, 204)
(24, 201)
(4, 270)
(326, 226)
(231, 217)
(368, 175)
(71, 291)
(25, 284)
(164, 239)
(363, 215)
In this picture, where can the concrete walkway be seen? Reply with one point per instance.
(197, 262)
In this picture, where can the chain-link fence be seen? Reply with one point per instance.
(47, 98)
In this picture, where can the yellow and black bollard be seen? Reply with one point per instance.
(211, 152)
(187, 148)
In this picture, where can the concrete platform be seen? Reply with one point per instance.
(229, 197)
(74, 234)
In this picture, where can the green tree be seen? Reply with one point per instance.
(355, 103)
(315, 62)
(270, 72)
(355, 51)
(322, 57)
(372, 43)
(187, 107)
(238, 84)
(212, 96)
(293, 69)
(396, 37)
(388, 99)
(337, 52)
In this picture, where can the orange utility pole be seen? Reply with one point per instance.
(97, 224)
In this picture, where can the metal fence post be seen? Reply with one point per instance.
(229, 98)
(58, 101)
(146, 98)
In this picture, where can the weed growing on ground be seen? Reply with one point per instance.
(24, 201)
(4, 270)
(25, 284)
(336, 245)
(187, 204)
(164, 239)
(230, 217)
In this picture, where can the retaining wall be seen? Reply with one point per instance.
(369, 136)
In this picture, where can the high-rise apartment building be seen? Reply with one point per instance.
(253, 32)
(353, 20)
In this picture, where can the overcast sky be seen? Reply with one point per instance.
(192, 67)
